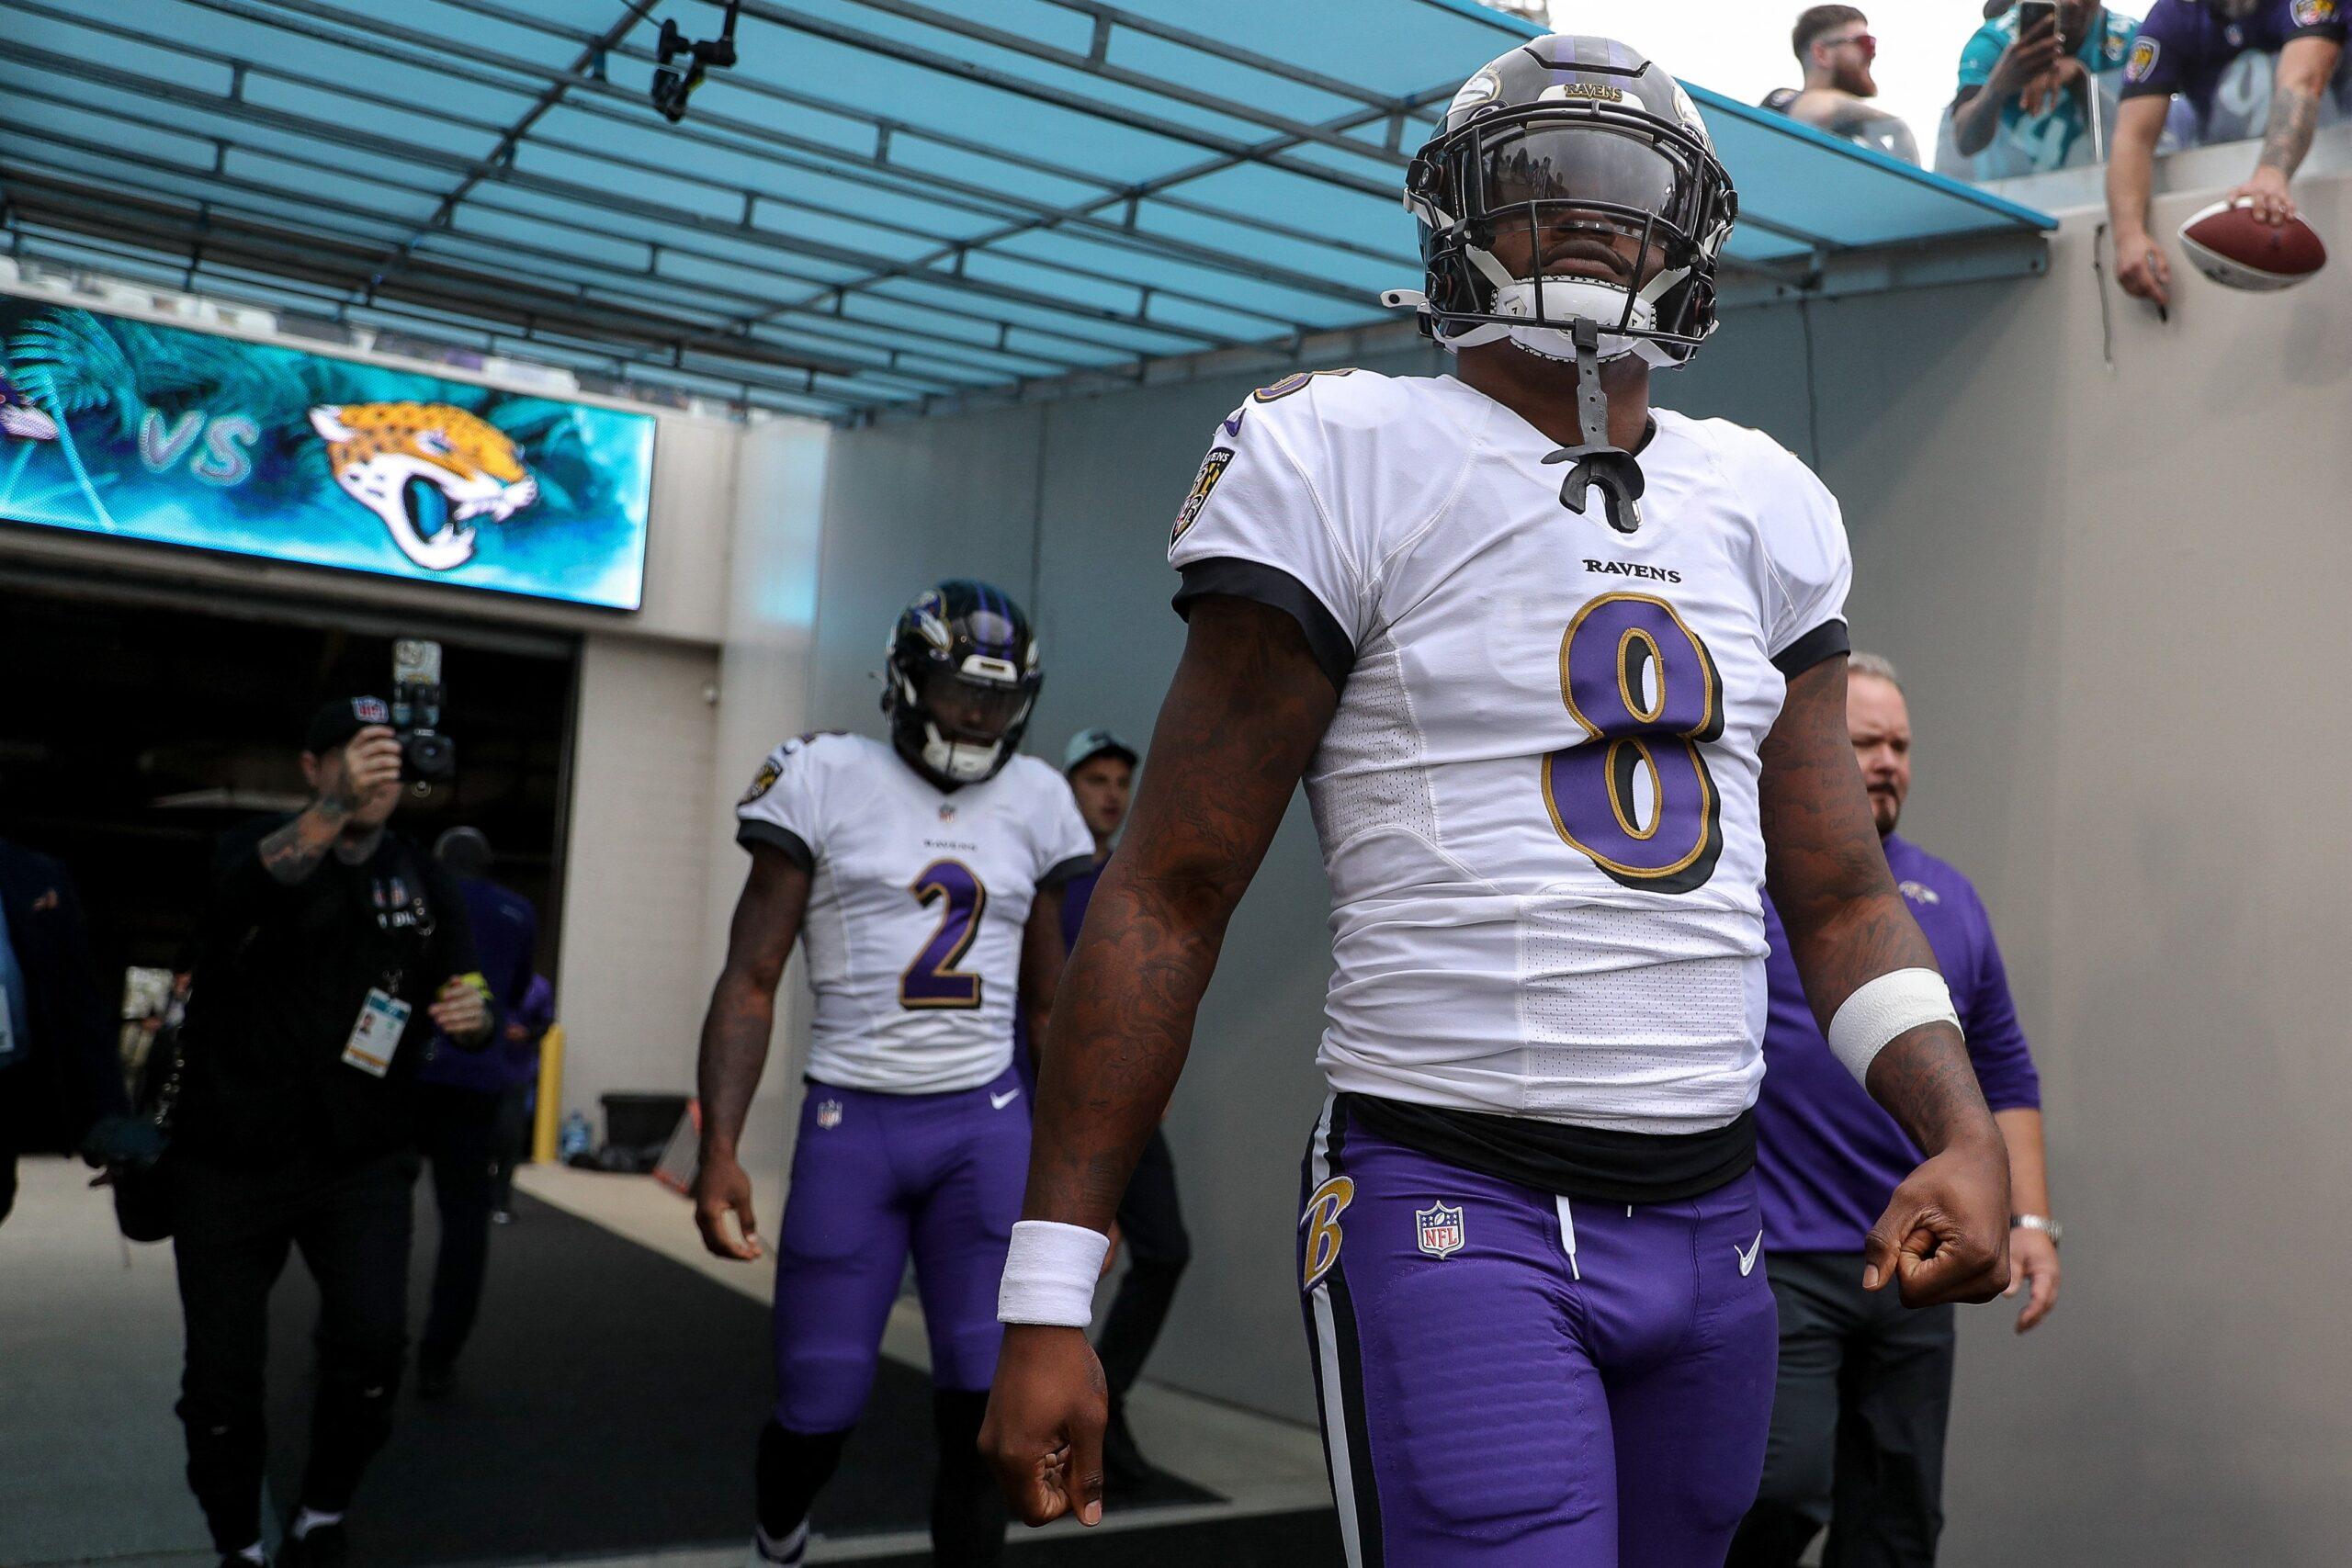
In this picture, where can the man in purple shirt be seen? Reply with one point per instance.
(459, 1097)
(1865, 1384)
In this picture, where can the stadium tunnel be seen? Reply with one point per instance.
(913, 291)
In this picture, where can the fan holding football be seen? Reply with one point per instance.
(2252, 239)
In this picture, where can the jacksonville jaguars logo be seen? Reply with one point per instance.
(426, 470)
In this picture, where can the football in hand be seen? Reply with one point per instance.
(2229, 244)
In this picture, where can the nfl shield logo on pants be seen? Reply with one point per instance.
(828, 1114)
(1441, 1229)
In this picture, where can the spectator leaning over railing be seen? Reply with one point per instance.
(2185, 47)
(1834, 46)
(2028, 90)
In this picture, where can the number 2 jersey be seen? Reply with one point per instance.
(917, 901)
(1538, 799)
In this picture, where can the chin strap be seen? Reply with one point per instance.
(1598, 462)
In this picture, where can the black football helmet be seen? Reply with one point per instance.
(961, 681)
(1586, 131)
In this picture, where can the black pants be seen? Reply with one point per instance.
(460, 1131)
(514, 1107)
(231, 1233)
(1857, 1422)
(7, 1181)
(1151, 1227)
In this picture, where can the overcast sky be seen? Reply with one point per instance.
(1740, 48)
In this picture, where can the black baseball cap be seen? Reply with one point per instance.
(1089, 744)
(337, 721)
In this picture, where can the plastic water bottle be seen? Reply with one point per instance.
(576, 1138)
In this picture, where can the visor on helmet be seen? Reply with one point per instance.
(1585, 165)
(966, 708)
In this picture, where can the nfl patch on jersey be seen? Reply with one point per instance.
(828, 1114)
(1440, 1229)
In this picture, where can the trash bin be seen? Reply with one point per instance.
(636, 1122)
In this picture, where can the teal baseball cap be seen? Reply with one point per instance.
(1089, 744)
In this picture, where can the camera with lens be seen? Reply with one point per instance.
(427, 756)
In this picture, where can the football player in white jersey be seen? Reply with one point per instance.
(1559, 671)
(923, 875)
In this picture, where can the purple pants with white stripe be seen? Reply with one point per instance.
(1509, 1379)
(874, 1177)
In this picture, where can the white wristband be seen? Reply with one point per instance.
(1049, 1274)
(1890, 1005)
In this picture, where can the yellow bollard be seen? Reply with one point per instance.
(550, 1114)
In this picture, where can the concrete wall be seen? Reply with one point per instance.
(669, 734)
(2115, 591)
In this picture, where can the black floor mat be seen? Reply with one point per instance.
(607, 1403)
(1273, 1541)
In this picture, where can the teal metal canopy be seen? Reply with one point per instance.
(883, 205)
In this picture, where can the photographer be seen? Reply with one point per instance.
(334, 950)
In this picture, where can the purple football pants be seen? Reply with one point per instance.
(874, 1175)
(1509, 1379)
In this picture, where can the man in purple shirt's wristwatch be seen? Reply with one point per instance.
(1864, 1386)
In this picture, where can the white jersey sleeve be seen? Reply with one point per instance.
(1294, 505)
(785, 805)
(1064, 844)
(1811, 568)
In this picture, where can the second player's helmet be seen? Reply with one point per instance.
(961, 679)
(1567, 131)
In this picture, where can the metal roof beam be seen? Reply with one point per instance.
(1091, 64)
(884, 125)
(270, 292)
(458, 306)
(1112, 17)
(305, 254)
(1096, 108)
(549, 97)
(1200, 255)
(566, 190)
(605, 282)
(808, 318)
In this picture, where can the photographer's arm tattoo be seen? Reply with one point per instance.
(735, 1031)
(1247, 709)
(290, 854)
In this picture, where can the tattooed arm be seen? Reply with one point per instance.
(1247, 709)
(2304, 67)
(348, 782)
(735, 1042)
(1944, 1234)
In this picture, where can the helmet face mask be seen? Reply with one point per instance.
(962, 681)
(1591, 145)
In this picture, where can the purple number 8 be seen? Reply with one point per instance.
(1645, 689)
(932, 980)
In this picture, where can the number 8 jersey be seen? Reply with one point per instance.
(917, 900)
(1538, 799)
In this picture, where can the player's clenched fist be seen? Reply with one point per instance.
(1043, 1431)
(1945, 1235)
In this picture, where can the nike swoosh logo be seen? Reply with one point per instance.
(1747, 1254)
(1233, 423)
(1009, 1096)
